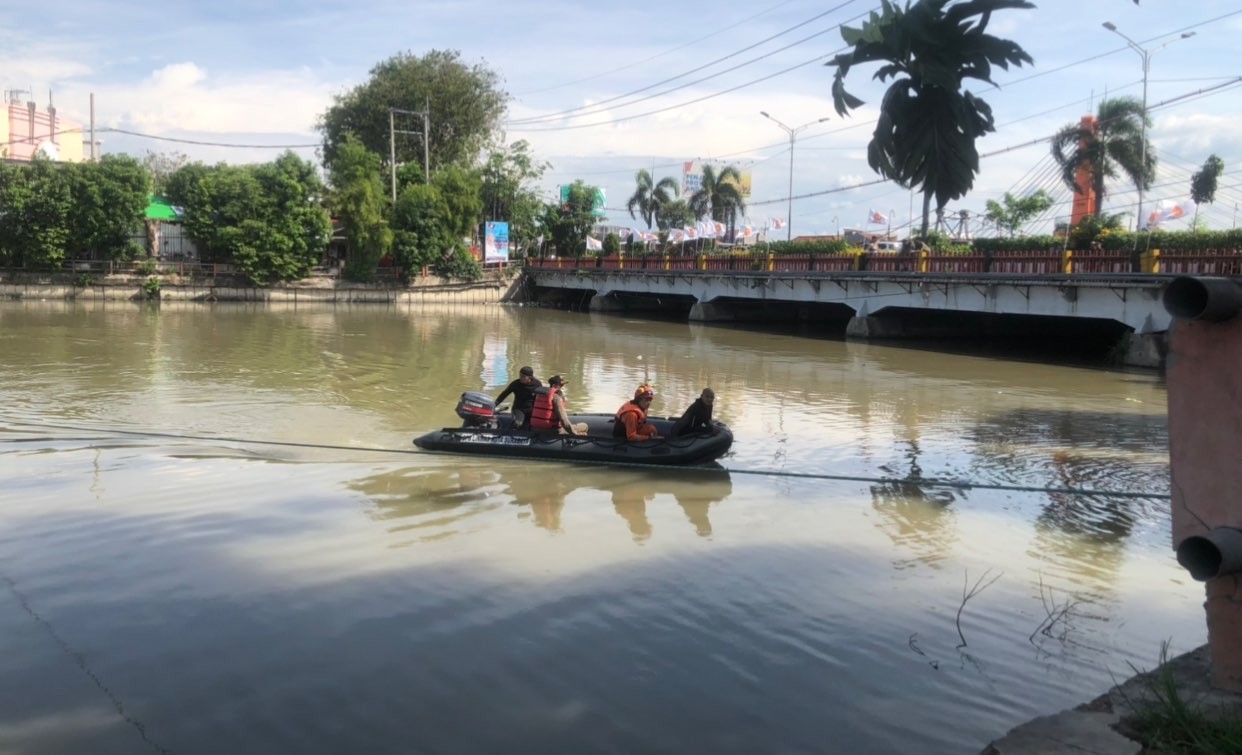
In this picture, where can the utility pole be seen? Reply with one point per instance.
(92, 127)
(392, 154)
(392, 141)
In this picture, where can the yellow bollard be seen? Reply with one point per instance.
(923, 264)
(620, 260)
(769, 266)
(1067, 261)
(666, 266)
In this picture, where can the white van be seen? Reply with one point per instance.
(888, 247)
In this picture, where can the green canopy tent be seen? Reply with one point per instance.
(159, 209)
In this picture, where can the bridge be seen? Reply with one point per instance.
(875, 304)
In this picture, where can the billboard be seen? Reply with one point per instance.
(597, 207)
(692, 179)
(496, 242)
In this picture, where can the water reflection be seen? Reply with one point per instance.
(629, 492)
(915, 517)
(1081, 537)
(429, 500)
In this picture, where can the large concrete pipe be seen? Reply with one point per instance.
(1211, 299)
(1212, 554)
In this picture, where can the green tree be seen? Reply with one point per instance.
(461, 190)
(1203, 184)
(509, 179)
(421, 228)
(1113, 145)
(109, 200)
(925, 136)
(35, 211)
(298, 227)
(358, 201)
(612, 244)
(1013, 213)
(568, 224)
(466, 107)
(675, 214)
(720, 196)
(266, 219)
(649, 197)
(161, 166)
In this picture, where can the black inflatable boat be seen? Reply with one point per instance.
(486, 431)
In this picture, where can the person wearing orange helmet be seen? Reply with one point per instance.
(631, 420)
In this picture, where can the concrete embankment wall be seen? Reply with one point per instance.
(130, 288)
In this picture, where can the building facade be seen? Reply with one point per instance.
(25, 131)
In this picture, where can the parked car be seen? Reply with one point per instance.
(888, 247)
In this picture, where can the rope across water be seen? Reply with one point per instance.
(927, 482)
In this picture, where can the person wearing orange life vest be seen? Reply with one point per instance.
(549, 411)
(631, 420)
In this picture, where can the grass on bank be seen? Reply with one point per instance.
(1169, 725)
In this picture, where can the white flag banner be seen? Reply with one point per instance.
(1165, 211)
(594, 245)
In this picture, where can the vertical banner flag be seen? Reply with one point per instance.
(496, 242)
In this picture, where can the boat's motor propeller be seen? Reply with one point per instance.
(476, 409)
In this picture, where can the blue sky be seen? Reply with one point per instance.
(261, 72)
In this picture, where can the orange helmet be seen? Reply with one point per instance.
(643, 391)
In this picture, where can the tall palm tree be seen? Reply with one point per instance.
(720, 196)
(926, 132)
(649, 196)
(1114, 145)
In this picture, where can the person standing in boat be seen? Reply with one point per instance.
(523, 392)
(631, 420)
(697, 418)
(549, 410)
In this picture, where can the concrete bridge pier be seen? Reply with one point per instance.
(900, 324)
(1144, 348)
(706, 311)
(605, 302)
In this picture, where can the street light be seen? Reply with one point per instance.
(1145, 54)
(793, 136)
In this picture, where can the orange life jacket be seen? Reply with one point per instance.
(543, 415)
(618, 425)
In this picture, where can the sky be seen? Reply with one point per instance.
(601, 90)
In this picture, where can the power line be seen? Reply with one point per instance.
(635, 64)
(597, 106)
(201, 143)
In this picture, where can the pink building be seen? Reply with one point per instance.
(26, 130)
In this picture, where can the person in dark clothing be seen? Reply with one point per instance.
(523, 392)
(698, 418)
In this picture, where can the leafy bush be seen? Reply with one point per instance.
(458, 264)
(1019, 244)
(612, 244)
(823, 246)
(151, 287)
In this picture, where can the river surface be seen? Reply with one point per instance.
(200, 551)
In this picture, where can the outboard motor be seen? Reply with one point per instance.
(476, 409)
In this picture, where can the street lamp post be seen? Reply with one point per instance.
(793, 137)
(1145, 54)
